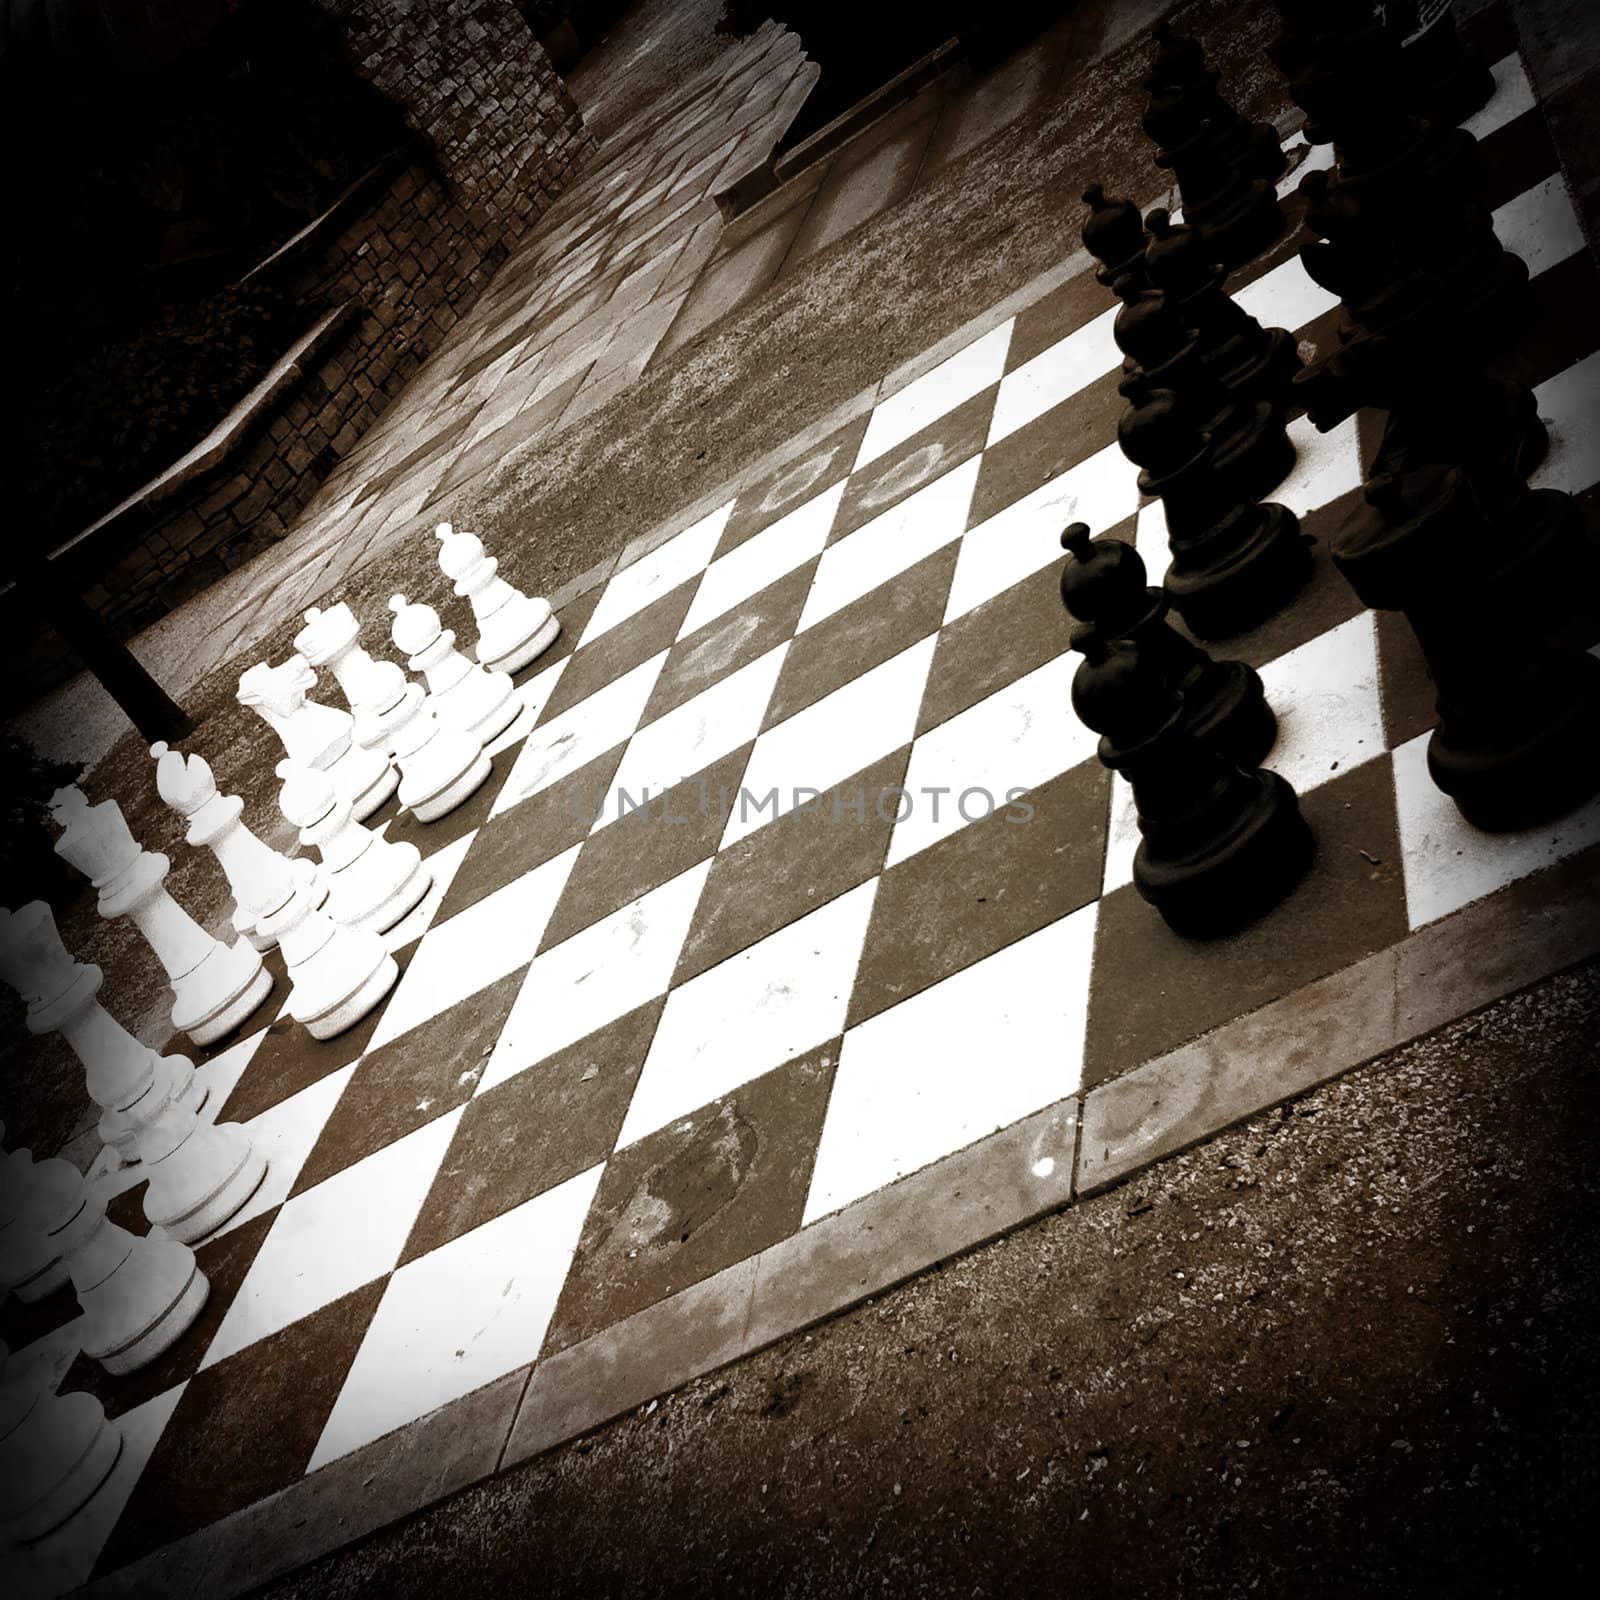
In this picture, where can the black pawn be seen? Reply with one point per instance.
(1234, 561)
(1103, 587)
(1518, 739)
(1113, 234)
(1249, 361)
(1219, 845)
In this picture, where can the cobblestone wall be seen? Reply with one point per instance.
(499, 138)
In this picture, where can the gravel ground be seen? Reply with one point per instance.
(1347, 1347)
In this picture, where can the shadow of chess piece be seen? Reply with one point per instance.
(1103, 587)
(1219, 845)
(1518, 740)
(1235, 561)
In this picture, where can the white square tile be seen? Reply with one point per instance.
(1512, 96)
(329, 1240)
(891, 542)
(691, 736)
(655, 574)
(936, 393)
(751, 1013)
(222, 1072)
(597, 975)
(1448, 863)
(1569, 405)
(749, 567)
(285, 1134)
(1326, 466)
(1319, 158)
(459, 1317)
(1286, 297)
(1015, 542)
(574, 738)
(1325, 694)
(475, 947)
(1540, 225)
(444, 863)
(974, 1053)
(1122, 836)
(828, 741)
(1043, 382)
(537, 690)
(1012, 740)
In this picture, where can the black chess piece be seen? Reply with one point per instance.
(1220, 846)
(1518, 738)
(1251, 452)
(1447, 79)
(1249, 361)
(1103, 586)
(1234, 561)
(1113, 234)
(1185, 106)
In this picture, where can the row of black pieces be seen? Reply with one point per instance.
(1221, 839)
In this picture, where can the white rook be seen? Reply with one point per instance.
(215, 985)
(513, 628)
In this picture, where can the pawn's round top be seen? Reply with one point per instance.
(415, 626)
(1114, 230)
(307, 795)
(1154, 433)
(1104, 578)
(459, 552)
(1118, 694)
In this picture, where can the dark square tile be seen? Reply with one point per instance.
(1406, 690)
(926, 455)
(289, 1059)
(535, 1130)
(225, 1260)
(792, 484)
(532, 832)
(410, 1081)
(574, 617)
(1152, 990)
(1046, 447)
(244, 1428)
(863, 634)
(1563, 323)
(1516, 156)
(983, 888)
(1053, 316)
(730, 641)
(790, 866)
(620, 649)
(23, 1321)
(1000, 641)
(645, 847)
(696, 1196)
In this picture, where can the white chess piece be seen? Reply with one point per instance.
(372, 883)
(261, 878)
(513, 628)
(331, 638)
(37, 1200)
(337, 974)
(322, 736)
(55, 1450)
(463, 694)
(139, 1296)
(127, 1080)
(215, 986)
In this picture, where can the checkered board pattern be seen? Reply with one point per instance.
(625, 1053)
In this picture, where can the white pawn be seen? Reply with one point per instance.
(127, 1080)
(139, 1296)
(55, 1450)
(322, 736)
(261, 878)
(37, 1200)
(337, 974)
(512, 627)
(215, 986)
(463, 694)
(372, 883)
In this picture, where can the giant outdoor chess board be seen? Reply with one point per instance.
(626, 1053)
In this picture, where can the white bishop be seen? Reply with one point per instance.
(322, 736)
(215, 986)
(512, 627)
(463, 694)
(372, 883)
